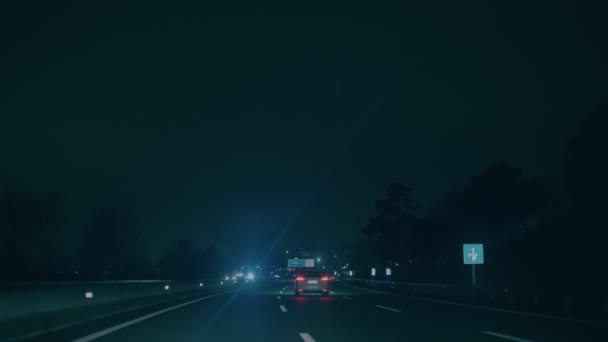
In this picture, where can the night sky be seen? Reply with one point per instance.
(243, 126)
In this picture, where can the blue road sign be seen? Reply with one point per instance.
(472, 253)
(295, 263)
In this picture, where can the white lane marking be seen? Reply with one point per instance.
(387, 308)
(347, 297)
(481, 307)
(283, 308)
(506, 337)
(82, 321)
(110, 330)
(280, 291)
(306, 337)
(332, 292)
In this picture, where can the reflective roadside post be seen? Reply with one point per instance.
(388, 272)
(373, 274)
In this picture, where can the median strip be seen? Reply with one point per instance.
(110, 330)
(387, 308)
(506, 337)
(283, 308)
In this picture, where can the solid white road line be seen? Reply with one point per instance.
(82, 321)
(306, 337)
(481, 307)
(332, 292)
(283, 308)
(117, 327)
(347, 297)
(506, 337)
(387, 308)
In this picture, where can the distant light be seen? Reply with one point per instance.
(166, 287)
(286, 252)
(227, 278)
(200, 284)
(318, 259)
(388, 271)
(221, 283)
(350, 273)
(88, 294)
(238, 275)
(250, 276)
(234, 278)
(397, 264)
(373, 272)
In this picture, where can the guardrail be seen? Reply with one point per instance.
(23, 298)
(493, 296)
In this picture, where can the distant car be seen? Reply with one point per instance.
(312, 280)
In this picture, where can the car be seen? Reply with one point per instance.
(311, 280)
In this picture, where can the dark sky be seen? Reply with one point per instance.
(247, 125)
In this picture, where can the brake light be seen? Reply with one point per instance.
(324, 278)
(299, 278)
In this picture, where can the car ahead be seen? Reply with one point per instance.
(312, 280)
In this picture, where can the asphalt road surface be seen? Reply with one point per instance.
(270, 312)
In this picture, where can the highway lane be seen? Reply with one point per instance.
(271, 313)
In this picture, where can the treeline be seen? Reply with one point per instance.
(539, 235)
(110, 246)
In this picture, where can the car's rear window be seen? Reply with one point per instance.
(313, 273)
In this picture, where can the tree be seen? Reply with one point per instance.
(396, 216)
(110, 246)
(183, 259)
(27, 229)
(495, 206)
(586, 172)
(586, 167)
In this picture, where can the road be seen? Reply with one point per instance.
(270, 312)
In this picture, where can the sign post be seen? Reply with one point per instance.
(473, 255)
(473, 275)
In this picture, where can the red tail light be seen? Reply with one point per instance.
(299, 278)
(325, 278)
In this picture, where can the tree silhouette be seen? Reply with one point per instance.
(396, 216)
(110, 246)
(586, 167)
(27, 229)
(586, 170)
(183, 259)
